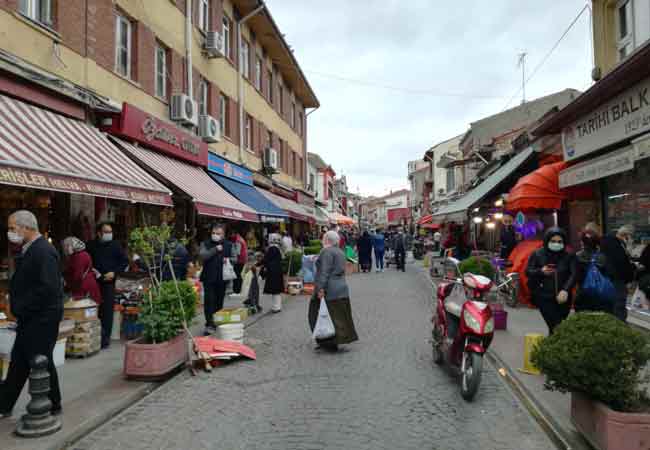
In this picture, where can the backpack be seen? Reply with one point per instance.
(597, 285)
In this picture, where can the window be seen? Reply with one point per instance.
(269, 79)
(37, 10)
(243, 61)
(224, 118)
(293, 115)
(248, 133)
(161, 71)
(258, 73)
(451, 180)
(226, 36)
(280, 151)
(625, 22)
(123, 31)
(300, 122)
(269, 138)
(311, 182)
(204, 95)
(204, 15)
(281, 94)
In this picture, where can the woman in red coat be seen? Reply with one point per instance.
(79, 274)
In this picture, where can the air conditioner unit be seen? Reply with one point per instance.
(214, 44)
(270, 158)
(209, 129)
(184, 110)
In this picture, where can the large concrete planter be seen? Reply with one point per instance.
(606, 429)
(153, 361)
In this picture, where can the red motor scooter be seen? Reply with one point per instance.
(463, 326)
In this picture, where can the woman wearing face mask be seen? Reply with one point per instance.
(551, 275)
(79, 276)
(212, 254)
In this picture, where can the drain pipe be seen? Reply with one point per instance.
(188, 46)
(240, 81)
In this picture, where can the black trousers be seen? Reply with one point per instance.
(106, 311)
(214, 294)
(620, 302)
(553, 313)
(36, 337)
(400, 260)
(237, 282)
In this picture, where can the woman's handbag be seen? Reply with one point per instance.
(228, 271)
(597, 285)
(324, 328)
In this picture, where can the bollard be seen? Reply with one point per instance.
(38, 421)
(530, 341)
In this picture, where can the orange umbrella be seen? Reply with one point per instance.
(519, 258)
(538, 190)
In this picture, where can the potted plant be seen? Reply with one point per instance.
(477, 266)
(599, 359)
(166, 311)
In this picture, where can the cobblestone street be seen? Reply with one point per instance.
(384, 392)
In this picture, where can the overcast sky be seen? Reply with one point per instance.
(419, 71)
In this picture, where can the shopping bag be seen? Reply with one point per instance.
(228, 271)
(324, 328)
(597, 285)
(246, 283)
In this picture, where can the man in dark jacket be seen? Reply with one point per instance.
(109, 260)
(615, 248)
(399, 244)
(212, 253)
(180, 258)
(508, 237)
(36, 294)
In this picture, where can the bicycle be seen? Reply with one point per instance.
(507, 283)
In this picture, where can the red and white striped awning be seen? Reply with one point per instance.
(43, 150)
(209, 198)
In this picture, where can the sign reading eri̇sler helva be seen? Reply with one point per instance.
(623, 117)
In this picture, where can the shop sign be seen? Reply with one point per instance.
(229, 170)
(604, 166)
(623, 117)
(398, 214)
(271, 219)
(52, 182)
(157, 134)
(642, 146)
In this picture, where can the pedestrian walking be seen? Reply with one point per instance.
(180, 259)
(213, 253)
(588, 255)
(364, 248)
(240, 255)
(379, 247)
(330, 284)
(287, 243)
(615, 247)
(399, 246)
(36, 295)
(437, 242)
(508, 237)
(110, 261)
(551, 275)
(79, 275)
(272, 273)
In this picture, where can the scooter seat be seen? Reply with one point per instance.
(453, 307)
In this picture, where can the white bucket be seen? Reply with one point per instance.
(231, 332)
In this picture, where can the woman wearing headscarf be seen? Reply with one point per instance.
(591, 253)
(330, 284)
(79, 274)
(272, 272)
(364, 247)
(551, 273)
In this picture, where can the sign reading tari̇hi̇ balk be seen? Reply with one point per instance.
(621, 118)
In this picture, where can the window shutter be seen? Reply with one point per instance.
(233, 112)
(216, 15)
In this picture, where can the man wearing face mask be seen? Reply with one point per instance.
(36, 295)
(109, 259)
(616, 247)
(551, 275)
(212, 254)
(508, 237)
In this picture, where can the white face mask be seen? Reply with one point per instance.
(107, 237)
(217, 237)
(15, 238)
(555, 246)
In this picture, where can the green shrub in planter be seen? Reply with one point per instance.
(597, 355)
(315, 243)
(161, 313)
(477, 266)
(296, 263)
(313, 250)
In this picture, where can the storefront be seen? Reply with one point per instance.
(301, 217)
(178, 159)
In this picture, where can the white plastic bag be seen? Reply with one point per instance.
(246, 284)
(324, 328)
(228, 271)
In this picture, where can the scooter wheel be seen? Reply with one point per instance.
(436, 345)
(471, 376)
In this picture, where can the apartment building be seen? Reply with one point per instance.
(143, 53)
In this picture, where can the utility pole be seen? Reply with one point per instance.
(521, 62)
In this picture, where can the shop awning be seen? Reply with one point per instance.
(293, 209)
(43, 150)
(342, 219)
(209, 198)
(425, 219)
(538, 190)
(457, 210)
(267, 210)
(431, 226)
(322, 218)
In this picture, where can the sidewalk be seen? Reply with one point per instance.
(94, 390)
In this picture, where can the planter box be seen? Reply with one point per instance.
(151, 361)
(606, 429)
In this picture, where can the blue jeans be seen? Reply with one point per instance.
(379, 259)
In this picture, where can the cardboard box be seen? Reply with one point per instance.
(230, 315)
(80, 310)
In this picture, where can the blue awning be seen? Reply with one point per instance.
(250, 196)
